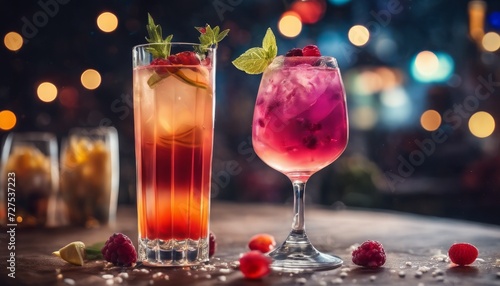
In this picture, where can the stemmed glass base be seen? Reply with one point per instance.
(298, 254)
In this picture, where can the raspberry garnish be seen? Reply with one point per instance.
(262, 242)
(119, 250)
(212, 245)
(295, 52)
(255, 265)
(369, 254)
(162, 62)
(311, 51)
(463, 253)
(188, 58)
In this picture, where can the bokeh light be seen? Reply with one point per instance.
(47, 92)
(91, 79)
(494, 19)
(290, 25)
(7, 120)
(491, 42)
(69, 96)
(481, 124)
(310, 11)
(13, 41)
(363, 117)
(426, 63)
(19, 219)
(339, 2)
(359, 35)
(430, 120)
(395, 97)
(432, 67)
(107, 22)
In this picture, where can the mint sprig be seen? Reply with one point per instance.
(210, 37)
(155, 36)
(256, 60)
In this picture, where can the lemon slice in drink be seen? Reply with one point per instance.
(72, 253)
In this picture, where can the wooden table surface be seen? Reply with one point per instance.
(411, 243)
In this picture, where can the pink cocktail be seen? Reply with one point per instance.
(299, 127)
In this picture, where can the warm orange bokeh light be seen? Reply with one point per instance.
(91, 79)
(7, 120)
(430, 120)
(13, 41)
(107, 22)
(47, 92)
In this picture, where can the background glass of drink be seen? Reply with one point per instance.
(32, 157)
(174, 120)
(299, 127)
(90, 175)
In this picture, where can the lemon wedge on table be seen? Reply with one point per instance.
(73, 253)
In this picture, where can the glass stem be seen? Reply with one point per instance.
(298, 225)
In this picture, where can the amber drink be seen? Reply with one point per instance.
(174, 120)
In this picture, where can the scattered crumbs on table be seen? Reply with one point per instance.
(222, 278)
(480, 260)
(322, 283)
(437, 272)
(107, 276)
(408, 263)
(402, 274)
(440, 278)
(392, 271)
(157, 275)
(144, 270)
(346, 268)
(208, 276)
(69, 281)
(151, 282)
(301, 280)
(418, 274)
(123, 275)
(421, 284)
(423, 269)
(59, 276)
(497, 262)
(343, 274)
(166, 277)
(189, 273)
(118, 279)
(373, 277)
(110, 282)
(225, 270)
(337, 281)
(58, 270)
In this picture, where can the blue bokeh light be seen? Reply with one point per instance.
(339, 2)
(444, 71)
(494, 19)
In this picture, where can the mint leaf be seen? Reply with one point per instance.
(210, 37)
(94, 251)
(155, 36)
(269, 44)
(253, 61)
(256, 60)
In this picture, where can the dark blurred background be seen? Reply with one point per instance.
(422, 79)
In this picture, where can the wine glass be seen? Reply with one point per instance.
(299, 127)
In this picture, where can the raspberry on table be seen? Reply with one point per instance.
(255, 265)
(295, 52)
(119, 250)
(369, 254)
(262, 242)
(212, 244)
(463, 253)
(311, 51)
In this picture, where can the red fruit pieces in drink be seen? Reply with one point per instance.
(295, 52)
(188, 58)
(162, 66)
(255, 265)
(262, 242)
(463, 253)
(212, 244)
(311, 51)
(369, 254)
(119, 250)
